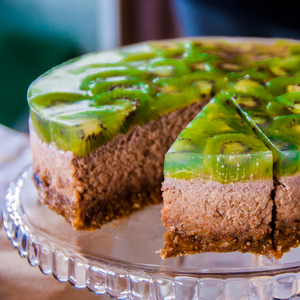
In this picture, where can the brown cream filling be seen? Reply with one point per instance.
(271, 213)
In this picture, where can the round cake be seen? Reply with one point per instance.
(215, 119)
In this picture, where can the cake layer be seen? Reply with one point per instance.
(203, 216)
(84, 103)
(287, 218)
(120, 177)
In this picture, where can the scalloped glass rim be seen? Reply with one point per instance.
(128, 268)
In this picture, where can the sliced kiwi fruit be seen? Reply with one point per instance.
(144, 104)
(237, 157)
(197, 53)
(125, 84)
(219, 82)
(139, 56)
(50, 99)
(169, 50)
(261, 119)
(48, 105)
(119, 72)
(290, 64)
(291, 101)
(251, 97)
(288, 127)
(280, 85)
(138, 52)
(179, 85)
(167, 102)
(245, 84)
(146, 81)
(85, 131)
(164, 67)
(231, 144)
(41, 125)
(171, 85)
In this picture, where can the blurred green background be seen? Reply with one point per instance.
(35, 36)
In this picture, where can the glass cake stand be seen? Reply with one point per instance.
(122, 257)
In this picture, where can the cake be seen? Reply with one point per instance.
(101, 125)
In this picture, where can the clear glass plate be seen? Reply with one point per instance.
(122, 257)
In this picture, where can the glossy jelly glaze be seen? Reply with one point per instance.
(268, 103)
(84, 103)
(219, 145)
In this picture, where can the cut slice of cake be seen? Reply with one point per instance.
(275, 122)
(217, 187)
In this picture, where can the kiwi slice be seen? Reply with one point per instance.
(237, 157)
(144, 104)
(51, 99)
(280, 85)
(44, 106)
(231, 144)
(288, 127)
(282, 133)
(119, 72)
(125, 84)
(291, 101)
(139, 56)
(218, 82)
(41, 125)
(294, 49)
(250, 97)
(245, 85)
(261, 119)
(171, 85)
(85, 131)
(138, 52)
(164, 67)
(173, 52)
(197, 53)
(291, 64)
(167, 102)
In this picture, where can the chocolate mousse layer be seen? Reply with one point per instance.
(114, 180)
(202, 216)
(287, 217)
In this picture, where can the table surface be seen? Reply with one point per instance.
(18, 280)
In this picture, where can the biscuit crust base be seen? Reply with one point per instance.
(114, 180)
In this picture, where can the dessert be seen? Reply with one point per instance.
(218, 184)
(101, 125)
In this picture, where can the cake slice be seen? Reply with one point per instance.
(217, 187)
(276, 123)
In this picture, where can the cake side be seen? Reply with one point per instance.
(287, 218)
(120, 177)
(209, 216)
(54, 178)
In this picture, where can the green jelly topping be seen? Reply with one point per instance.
(252, 124)
(273, 121)
(219, 145)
